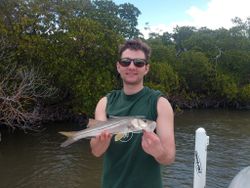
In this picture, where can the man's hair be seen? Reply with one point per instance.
(135, 44)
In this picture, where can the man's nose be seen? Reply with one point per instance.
(132, 65)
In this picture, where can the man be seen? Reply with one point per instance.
(135, 160)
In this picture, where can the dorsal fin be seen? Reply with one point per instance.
(121, 117)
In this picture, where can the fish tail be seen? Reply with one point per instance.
(67, 142)
(70, 139)
(69, 134)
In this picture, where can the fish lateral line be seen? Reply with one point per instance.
(115, 126)
(71, 134)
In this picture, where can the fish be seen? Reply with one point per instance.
(118, 126)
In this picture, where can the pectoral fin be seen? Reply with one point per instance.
(119, 136)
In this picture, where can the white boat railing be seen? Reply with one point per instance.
(200, 158)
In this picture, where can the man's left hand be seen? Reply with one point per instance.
(151, 144)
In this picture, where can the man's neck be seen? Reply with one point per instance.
(132, 89)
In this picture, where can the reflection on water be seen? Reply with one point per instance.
(36, 160)
(228, 150)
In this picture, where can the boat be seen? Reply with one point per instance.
(241, 180)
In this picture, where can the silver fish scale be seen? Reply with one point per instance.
(117, 126)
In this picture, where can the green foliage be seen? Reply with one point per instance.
(181, 34)
(209, 63)
(161, 52)
(84, 62)
(76, 50)
(226, 87)
(237, 64)
(121, 19)
(244, 94)
(74, 43)
(162, 77)
(194, 69)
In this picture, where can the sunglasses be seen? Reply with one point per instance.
(125, 62)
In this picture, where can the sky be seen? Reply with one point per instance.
(164, 15)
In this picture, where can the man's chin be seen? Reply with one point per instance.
(132, 82)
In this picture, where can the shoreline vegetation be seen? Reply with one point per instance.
(58, 59)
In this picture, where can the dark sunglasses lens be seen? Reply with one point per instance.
(125, 62)
(139, 63)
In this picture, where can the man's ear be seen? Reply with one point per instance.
(147, 68)
(118, 67)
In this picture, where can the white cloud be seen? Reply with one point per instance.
(218, 14)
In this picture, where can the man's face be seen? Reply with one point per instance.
(132, 74)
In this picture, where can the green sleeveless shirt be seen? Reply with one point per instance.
(126, 165)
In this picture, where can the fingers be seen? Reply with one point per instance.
(100, 143)
(150, 141)
(104, 136)
(149, 136)
(146, 140)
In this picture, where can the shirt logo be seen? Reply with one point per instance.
(123, 137)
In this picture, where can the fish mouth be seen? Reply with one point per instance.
(143, 124)
(152, 126)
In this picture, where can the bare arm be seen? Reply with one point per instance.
(161, 145)
(100, 143)
(100, 111)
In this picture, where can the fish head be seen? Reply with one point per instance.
(143, 124)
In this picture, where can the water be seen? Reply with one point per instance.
(36, 160)
(228, 150)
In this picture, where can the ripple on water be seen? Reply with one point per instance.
(38, 161)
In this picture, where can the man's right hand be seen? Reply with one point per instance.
(100, 143)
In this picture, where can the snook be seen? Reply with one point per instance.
(116, 126)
